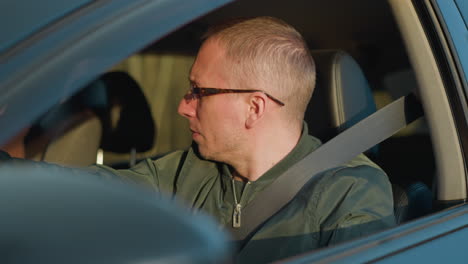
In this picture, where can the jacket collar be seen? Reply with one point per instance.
(306, 145)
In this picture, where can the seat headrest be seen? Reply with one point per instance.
(135, 127)
(342, 95)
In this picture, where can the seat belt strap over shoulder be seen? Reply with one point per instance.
(357, 139)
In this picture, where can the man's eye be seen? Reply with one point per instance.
(195, 89)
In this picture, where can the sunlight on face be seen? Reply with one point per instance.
(215, 121)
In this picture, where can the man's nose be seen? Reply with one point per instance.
(187, 108)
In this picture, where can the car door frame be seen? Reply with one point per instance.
(441, 92)
(443, 95)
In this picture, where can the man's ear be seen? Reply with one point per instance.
(257, 103)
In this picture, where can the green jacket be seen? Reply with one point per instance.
(349, 201)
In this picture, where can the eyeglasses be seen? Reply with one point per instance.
(198, 92)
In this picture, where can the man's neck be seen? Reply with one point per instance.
(263, 154)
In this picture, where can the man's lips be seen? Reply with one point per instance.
(194, 133)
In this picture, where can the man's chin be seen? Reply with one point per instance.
(200, 151)
(207, 155)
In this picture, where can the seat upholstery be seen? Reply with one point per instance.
(342, 90)
(128, 125)
(72, 132)
(342, 98)
(411, 201)
(81, 144)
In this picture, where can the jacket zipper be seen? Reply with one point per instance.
(237, 211)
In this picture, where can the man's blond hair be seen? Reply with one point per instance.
(268, 54)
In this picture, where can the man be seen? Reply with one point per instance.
(250, 85)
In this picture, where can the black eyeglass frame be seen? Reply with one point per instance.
(199, 92)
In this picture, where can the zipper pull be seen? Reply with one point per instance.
(236, 216)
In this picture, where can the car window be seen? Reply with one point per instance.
(161, 70)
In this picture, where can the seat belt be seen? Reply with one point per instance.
(357, 139)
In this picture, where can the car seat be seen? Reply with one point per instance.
(111, 113)
(128, 125)
(69, 133)
(342, 98)
(342, 90)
